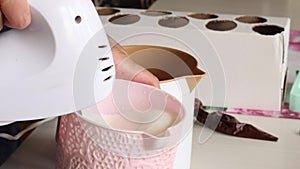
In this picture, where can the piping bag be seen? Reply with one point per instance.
(61, 63)
(230, 125)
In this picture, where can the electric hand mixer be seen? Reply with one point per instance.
(60, 64)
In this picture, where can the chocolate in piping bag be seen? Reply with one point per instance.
(230, 125)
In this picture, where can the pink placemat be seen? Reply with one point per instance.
(284, 113)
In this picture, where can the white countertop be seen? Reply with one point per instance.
(220, 151)
(277, 8)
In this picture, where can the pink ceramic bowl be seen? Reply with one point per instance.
(137, 126)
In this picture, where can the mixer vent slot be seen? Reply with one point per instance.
(106, 79)
(107, 68)
(103, 58)
(102, 46)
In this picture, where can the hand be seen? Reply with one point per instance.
(128, 69)
(14, 14)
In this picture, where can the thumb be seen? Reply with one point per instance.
(15, 13)
(1, 20)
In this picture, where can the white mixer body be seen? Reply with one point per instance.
(60, 64)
